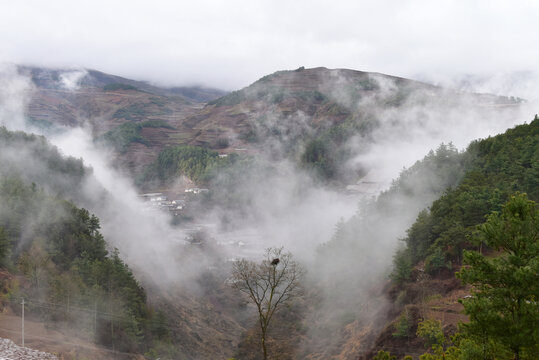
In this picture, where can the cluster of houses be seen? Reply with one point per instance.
(196, 191)
(160, 201)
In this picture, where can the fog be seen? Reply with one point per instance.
(146, 240)
(350, 271)
(290, 209)
(427, 119)
(13, 97)
(228, 45)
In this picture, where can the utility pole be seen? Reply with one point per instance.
(95, 318)
(22, 322)
(111, 319)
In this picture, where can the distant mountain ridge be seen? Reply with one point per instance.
(306, 115)
(51, 79)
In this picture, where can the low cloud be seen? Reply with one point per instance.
(229, 45)
(291, 209)
(70, 80)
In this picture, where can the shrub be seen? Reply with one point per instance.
(384, 355)
(430, 331)
(403, 325)
(118, 86)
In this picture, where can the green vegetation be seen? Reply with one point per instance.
(118, 86)
(504, 308)
(431, 332)
(141, 110)
(27, 156)
(194, 162)
(68, 268)
(403, 325)
(42, 124)
(469, 185)
(317, 158)
(384, 355)
(68, 275)
(411, 191)
(232, 183)
(402, 266)
(271, 94)
(496, 168)
(310, 96)
(325, 155)
(262, 90)
(231, 179)
(320, 148)
(234, 98)
(124, 135)
(340, 260)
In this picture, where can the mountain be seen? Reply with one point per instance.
(305, 115)
(286, 144)
(71, 98)
(86, 78)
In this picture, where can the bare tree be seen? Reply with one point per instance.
(269, 285)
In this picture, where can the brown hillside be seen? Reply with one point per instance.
(279, 113)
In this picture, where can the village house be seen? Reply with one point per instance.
(196, 190)
(178, 204)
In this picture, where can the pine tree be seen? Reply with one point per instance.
(504, 307)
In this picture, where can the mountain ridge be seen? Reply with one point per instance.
(305, 115)
(51, 78)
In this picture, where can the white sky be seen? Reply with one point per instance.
(231, 43)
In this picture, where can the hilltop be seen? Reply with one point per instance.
(72, 98)
(305, 115)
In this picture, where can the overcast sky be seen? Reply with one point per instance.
(231, 43)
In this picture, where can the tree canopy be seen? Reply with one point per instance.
(495, 168)
(504, 306)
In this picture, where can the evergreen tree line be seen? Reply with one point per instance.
(67, 266)
(496, 168)
(68, 275)
(196, 163)
(487, 227)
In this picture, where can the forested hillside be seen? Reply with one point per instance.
(63, 268)
(352, 310)
(502, 173)
(499, 167)
(194, 162)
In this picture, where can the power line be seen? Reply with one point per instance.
(22, 322)
(38, 337)
(70, 308)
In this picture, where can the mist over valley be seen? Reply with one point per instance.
(126, 207)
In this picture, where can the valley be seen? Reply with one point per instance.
(341, 167)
